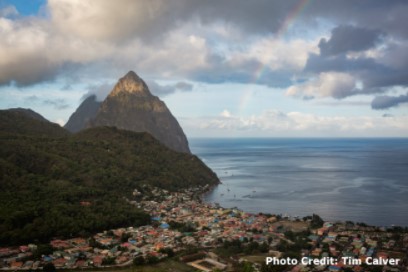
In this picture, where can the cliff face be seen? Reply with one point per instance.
(83, 114)
(131, 106)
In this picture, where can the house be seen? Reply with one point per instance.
(16, 265)
(60, 262)
(97, 260)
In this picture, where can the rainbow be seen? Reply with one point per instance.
(286, 24)
(246, 95)
(291, 17)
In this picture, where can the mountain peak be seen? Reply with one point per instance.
(132, 76)
(131, 106)
(131, 83)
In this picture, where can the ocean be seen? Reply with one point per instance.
(361, 180)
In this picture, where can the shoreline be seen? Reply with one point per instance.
(212, 227)
(206, 193)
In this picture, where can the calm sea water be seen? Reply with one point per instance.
(362, 180)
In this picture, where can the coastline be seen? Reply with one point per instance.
(181, 220)
(208, 191)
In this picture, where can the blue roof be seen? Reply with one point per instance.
(164, 226)
(47, 258)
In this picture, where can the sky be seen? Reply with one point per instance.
(262, 68)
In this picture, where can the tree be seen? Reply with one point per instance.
(42, 249)
(168, 251)
(152, 259)
(264, 248)
(317, 221)
(108, 261)
(139, 260)
(49, 267)
(247, 267)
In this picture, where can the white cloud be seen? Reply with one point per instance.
(296, 124)
(60, 122)
(32, 51)
(327, 84)
(104, 19)
(101, 91)
(278, 54)
(94, 42)
(225, 114)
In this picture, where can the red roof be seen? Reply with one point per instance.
(80, 263)
(59, 262)
(97, 260)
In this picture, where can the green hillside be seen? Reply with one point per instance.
(28, 122)
(65, 185)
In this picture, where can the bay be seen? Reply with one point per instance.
(362, 180)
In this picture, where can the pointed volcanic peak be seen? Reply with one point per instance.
(131, 83)
(83, 114)
(131, 106)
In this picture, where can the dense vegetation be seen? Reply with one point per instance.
(28, 122)
(54, 184)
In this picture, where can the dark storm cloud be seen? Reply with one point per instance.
(368, 70)
(387, 16)
(346, 38)
(269, 16)
(386, 68)
(319, 63)
(385, 102)
(375, 77)
(385, 78)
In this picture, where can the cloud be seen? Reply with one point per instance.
(184, 86)
(341, 63)
(58, 104)
(229, 41)
(225, 114)
(8, 11)
(374, 63)
(31, 52)
(60, 122)
(386, 115)
(267, 61)
(104, 20)
(347, 38)
(296, 124)
(163, 90)
(385, 102)
(100, 91)
(330, 84)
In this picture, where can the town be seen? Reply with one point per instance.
(208, 237)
